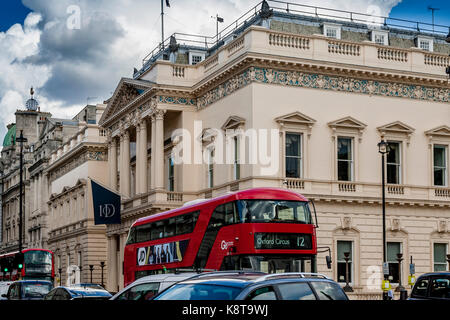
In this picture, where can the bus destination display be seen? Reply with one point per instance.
(294, 241)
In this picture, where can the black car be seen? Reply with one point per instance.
(432, 286)
(241, 285)
(28, 290)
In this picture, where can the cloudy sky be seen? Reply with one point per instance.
(71, 61)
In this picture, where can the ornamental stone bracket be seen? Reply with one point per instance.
(442, 226)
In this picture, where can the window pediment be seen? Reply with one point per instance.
(347, 125)
(396, 129)
(295, 119)
(233, 122)
(441, 131)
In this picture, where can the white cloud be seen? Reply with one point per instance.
(67, 66)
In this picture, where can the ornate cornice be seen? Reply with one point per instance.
(324, 82)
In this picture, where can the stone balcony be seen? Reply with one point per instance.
(89, 133)
(316, 49)
(351, 192)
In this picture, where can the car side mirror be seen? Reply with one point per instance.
(4, 296)
(328, 259)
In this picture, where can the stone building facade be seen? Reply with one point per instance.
(30, 121)
(76, 241)
(330, 97)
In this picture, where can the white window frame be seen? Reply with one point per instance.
(399, 164)
(300, 157)
(395, 262)
(378, 33)
(445, 147)
(421, 39)
(434, 258)
(236, 159)
(351, 261)
(210, 168)
(334, 27)
(169, 162)
(198, 54)
(352, 157)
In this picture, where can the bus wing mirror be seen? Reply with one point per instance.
(315, 213)
(328, 259)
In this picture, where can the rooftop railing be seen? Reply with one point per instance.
(211, 43)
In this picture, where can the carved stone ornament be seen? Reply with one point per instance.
(159, 114)
(395, 225)
(442, 226)
(346, 223)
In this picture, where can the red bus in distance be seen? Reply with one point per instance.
(262, 229)
(38, 264)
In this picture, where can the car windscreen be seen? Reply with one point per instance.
(328, 290)
(199, 292)
(35, 290)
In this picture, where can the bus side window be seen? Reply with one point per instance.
(186, 223)
(142, 233)
(230, 213)
(218, 217)
(169, 227)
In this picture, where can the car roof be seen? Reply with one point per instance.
(84, 291)
(34, 281)
(241, 279)
(439, 273)
(164, 276)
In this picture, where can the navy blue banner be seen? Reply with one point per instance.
(106, 205)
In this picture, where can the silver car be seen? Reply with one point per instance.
(4, 286)
(147, 287)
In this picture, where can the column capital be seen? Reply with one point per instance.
(159, 114)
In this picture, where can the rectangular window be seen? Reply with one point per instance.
(393, 163)
(345, 159)
(236, 164)
(393, 248)
(379, 38)
(211, 168)
(342, 248)
(171, 175)
(440, 255)
(196, 59)
(293, 155)
(425, 45)
(440, 165)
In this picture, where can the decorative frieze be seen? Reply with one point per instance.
(325, 82)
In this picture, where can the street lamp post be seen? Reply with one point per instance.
(91, 268)
(347, 287)
(60, 276)
(448, 260)
(102, 265)
(21, 140)
(383, 148)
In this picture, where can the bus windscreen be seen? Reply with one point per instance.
(272, 211)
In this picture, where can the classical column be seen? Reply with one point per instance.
(113, 164)
(112, 263)
(159, 149)
(143, 157)
(35, 187)
(153, 150)
(39, 188)
(126, 165)
(138, 175)
(121, 186)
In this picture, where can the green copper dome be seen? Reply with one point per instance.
(10, 138)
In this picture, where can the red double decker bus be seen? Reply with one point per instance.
(262, 229)
(37, 264)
